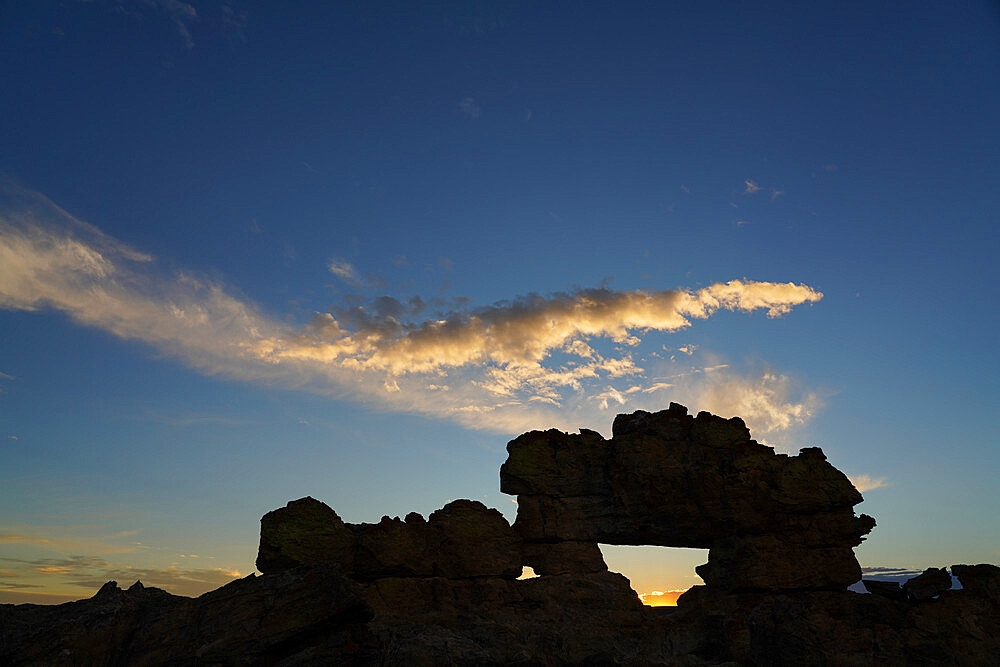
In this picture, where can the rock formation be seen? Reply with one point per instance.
(443, 591)
(463, 539)
(770, 521)
(931, 583)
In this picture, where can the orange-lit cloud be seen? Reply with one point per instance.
(492, 367)
(83, 575)
(770, 401)
(661, 598)
(67, 539)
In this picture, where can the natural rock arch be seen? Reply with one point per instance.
(770, 521)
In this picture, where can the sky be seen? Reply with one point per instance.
(255, 251)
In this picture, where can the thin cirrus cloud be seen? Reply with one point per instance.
(535, 361)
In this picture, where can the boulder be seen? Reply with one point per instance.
(305, 531)
(564, 558)
(983, 578)
(931, 583)
(886, 589)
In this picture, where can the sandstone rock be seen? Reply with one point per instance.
(564, 558)
(983, 578)
(770, 521)
(931, 583)
(463, 539)
(886, 589)
(305, 531)
(770, 562)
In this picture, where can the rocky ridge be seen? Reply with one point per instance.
(444, 590)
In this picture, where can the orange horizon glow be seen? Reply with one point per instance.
(661, 598)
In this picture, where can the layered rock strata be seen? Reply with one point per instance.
(770, 521)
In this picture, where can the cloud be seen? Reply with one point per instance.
(867, 483)
(769, 402)
(900, 574)
(528, 362)
(775, 193)
(468, 107)
(191, 419)
(344, 270)
(30, 597)
(181, 14)
(235, 23)
(90, 573)
(750, 188)
(66, 538)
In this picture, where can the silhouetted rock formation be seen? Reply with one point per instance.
(770, 521)
(886, 589)
(931, 583)
(983, 578)
(442, 591)
(255, 620)
(463, 539)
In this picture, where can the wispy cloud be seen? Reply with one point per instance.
(867, 483)
(889, 573)
(191, 419)
(770, 401)
(89, 573)
(3, 377)
(468, 107)
(750, 188)
(529, 362)
(344, 270)
(182, 14)
(69, 538)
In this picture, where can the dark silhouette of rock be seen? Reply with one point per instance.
(770, 521)
(463, 539)
(931, 583)
(886, 589)
(256, 620)
(983, 578)
(442, 591)
(564, 557)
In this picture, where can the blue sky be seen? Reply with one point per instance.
(251, 252)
